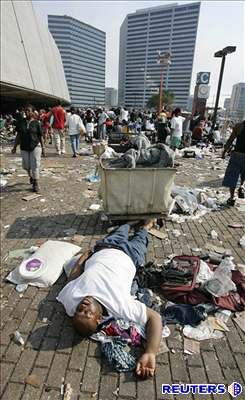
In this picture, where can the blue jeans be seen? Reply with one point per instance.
(135, 248)
(75, 142)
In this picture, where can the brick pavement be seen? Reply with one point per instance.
(52, 349)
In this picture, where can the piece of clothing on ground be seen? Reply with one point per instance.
(184, 314)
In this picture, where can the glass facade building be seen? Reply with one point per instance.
(82, 48)
(166, 28)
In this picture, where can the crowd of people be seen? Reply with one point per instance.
(35, 129)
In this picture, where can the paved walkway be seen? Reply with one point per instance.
(52, 350)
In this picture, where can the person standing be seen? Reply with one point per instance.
(29, 137)
(59, 119)
(89, 124)
(236, 166)
(75, 128)
(176, 129)
(102, 116)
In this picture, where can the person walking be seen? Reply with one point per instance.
(176, 129)
(75, 128)
(29, 137)
(59, 119)
(236, 166)
(102, 116)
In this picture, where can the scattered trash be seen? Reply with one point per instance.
(191, 346)
(165, 331)
(218, 324)
(104, 218)
(42, 200)
(214, 234)
(176, 233)
(31, 197)
(222, 315)
(94, 394)
(18, 339)
(33, 380)
(94, 207)
(22, 253)
(77, 239)
(21, 287)
(68, 392)
(203, 331)
(116, 392)
(158, 234)
(236, 226)
(93, 178)
(45, 320)
(3, 182)
(242, 241)
(70, 231)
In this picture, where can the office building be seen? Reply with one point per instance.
(227, 103)
(237, 103)
(166, 28)
(82, 49)
(110, 97)
(31, 67)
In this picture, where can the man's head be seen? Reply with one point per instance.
(29, 111)
(73, 110)
(177, 112)
(88, 316)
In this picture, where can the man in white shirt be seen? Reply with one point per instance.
(103, 289)
(176, 129)
(102, 116)
(75, 128)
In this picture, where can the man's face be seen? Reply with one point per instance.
(88, 308)
(87, 317)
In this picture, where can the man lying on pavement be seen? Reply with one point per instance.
(102, 289)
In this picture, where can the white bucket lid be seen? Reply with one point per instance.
(32, 268)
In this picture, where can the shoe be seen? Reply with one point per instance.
(63, 151)
(59, 153)
(241, 193)
(74, 156)
(36, 187)
(31, 180)
(231, 202)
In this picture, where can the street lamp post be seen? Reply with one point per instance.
(163, 59)
(221, 54)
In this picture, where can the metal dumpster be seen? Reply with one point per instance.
(136, 193)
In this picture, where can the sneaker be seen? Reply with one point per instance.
(59, 153)
(36, 188)
(241, 193)
(74, 156)
(63, 151)
(231, 202)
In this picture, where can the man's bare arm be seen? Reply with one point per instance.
(79, 266)
(229, 142)
(147, 362)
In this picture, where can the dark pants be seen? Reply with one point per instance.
(135, 248)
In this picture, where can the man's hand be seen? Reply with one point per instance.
(13, 150)
(146, 365)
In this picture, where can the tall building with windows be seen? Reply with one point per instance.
(82, 48)
(166, 28)
(110, 97)
(237, 102)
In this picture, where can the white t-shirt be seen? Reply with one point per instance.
(107, 277)
(74, 124)
(177, 125)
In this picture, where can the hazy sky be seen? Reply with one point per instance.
(221, 23)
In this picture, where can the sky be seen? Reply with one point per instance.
(221, 24)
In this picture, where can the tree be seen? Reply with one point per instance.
(168, 99)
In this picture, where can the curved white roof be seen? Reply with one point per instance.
(30, 58)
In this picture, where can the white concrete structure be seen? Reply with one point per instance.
(237, 103)
(31, 66)
(110, 97)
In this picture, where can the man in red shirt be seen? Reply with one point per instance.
(59, 116)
